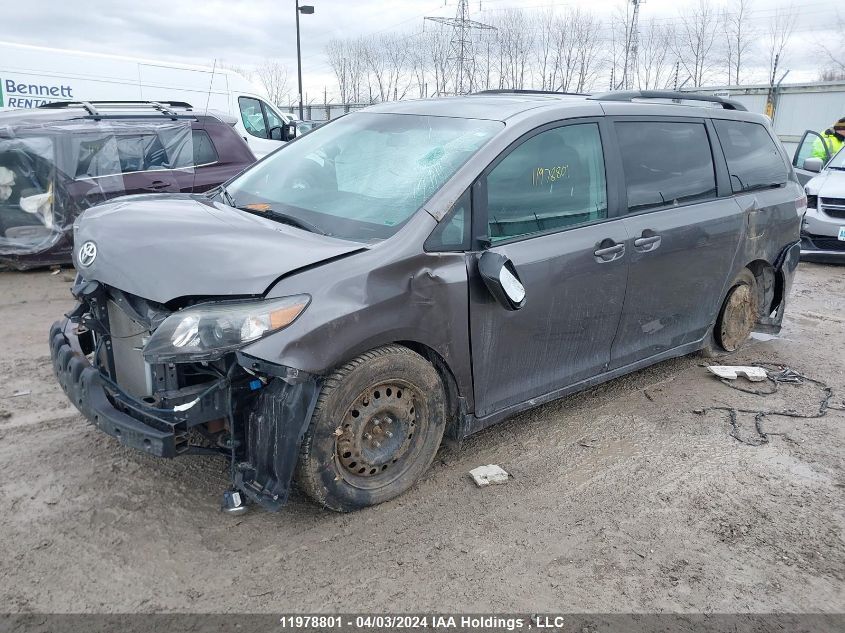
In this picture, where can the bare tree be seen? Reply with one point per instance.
(337, 54)
(739, 36)
(617, 47)
(589, 45)
(545, 24)
(273, 76)
(655, 61)
(515, 44)
(386, 57)
(694, 39)
(780, 30)
(835, 55)
(346, 57)
(550, 50)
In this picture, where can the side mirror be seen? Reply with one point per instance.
(283, 133)
(502, 280)
(814, 164)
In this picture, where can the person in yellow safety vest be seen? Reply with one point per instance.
(834, 138)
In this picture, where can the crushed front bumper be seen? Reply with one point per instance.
(268, 430)
(85, 388)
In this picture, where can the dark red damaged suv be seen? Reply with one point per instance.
(60, 159)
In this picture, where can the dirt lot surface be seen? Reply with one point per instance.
(623, 498)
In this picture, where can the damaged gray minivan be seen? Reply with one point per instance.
(420, 269)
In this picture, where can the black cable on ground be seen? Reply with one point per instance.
(775, 375)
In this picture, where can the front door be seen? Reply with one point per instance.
(682, 237)
(812, 145)
(259, 120)
(546, 209)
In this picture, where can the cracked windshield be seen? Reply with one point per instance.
(362, 176)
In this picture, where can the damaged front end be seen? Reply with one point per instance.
(118, 359)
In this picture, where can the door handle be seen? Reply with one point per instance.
(609, 253)
(158, 184)
(646, 243)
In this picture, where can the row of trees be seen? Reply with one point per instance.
(573, 50)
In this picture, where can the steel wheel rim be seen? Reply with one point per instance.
(378, 437)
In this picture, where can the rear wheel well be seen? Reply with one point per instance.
(450, 386)
(769, 286)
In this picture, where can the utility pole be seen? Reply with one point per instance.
(461, 52)
(774, 89)
(631, 47)
(305, 10)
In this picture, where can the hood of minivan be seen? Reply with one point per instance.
(829, 184)
(162, 247)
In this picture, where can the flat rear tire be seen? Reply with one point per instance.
(736, 319)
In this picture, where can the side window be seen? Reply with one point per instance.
(754, 161)
(272, 118)
(252, 116)
(452, 233)
(812, 146)
(204, 151)
(141, 152)
(666, 163)
(553, 180)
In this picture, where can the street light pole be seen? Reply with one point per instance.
(306, 10)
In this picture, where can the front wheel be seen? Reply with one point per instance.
(375, 430)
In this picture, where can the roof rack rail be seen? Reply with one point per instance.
(521, 91)
(164, 108)
(630, 95)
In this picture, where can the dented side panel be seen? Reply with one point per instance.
(390, 293)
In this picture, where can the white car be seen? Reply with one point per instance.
(823, 229)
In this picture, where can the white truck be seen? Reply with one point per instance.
(31, 76)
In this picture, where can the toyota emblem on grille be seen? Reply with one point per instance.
(87, 254)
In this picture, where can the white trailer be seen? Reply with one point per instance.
(31, 76)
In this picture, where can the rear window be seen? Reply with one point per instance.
(204, 152)
(754, 160)
(666, 163)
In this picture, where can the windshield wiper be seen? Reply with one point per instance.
(836, 168)
(285, 218)
(227, 197)
(221, 191)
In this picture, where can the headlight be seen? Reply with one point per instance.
(208, 332)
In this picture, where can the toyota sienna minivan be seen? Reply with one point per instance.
(423, 269)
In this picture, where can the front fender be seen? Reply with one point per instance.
(362, 303)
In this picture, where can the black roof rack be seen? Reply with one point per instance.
(520, 91)
(162, 108)
(630, 95)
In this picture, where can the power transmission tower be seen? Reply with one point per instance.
(629, 73)
(461, 48)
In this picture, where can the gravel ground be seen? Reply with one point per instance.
(623, 498)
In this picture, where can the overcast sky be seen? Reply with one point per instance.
(243, 33)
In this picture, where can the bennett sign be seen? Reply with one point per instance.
(23, 94)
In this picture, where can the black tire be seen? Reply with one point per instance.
(737, 315)
(376, 427)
